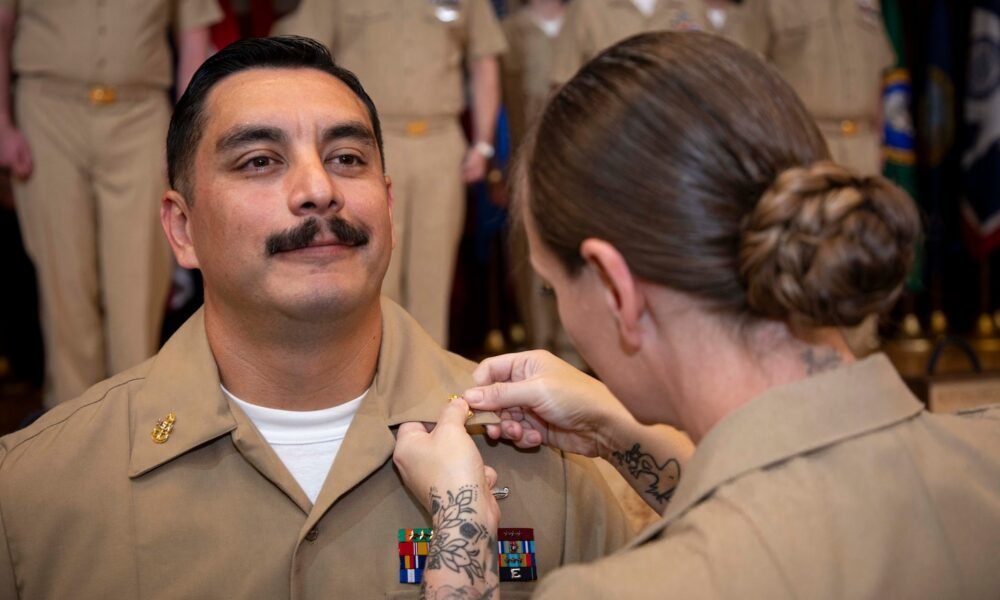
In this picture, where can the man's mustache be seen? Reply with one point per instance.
(302, 235)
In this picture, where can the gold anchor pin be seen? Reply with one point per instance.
(469, 414)
(161, 433)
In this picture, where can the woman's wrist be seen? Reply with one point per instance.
(616, 431)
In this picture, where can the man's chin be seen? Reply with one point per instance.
(325, 307)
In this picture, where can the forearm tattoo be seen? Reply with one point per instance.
(458, 535)
(661, 479)
(817, 360)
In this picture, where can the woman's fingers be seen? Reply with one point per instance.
(491, 477)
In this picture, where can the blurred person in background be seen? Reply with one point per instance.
(411, 54)
(593, 25)
(83, 139)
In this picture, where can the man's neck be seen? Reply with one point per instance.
(292, 365)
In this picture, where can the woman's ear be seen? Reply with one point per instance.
(175, 218)
(622, 292)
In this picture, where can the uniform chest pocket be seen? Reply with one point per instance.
(445, 15)
(442, 30)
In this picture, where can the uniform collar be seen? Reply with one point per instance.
(790, 420)
(413, 381)
(415, 376)
(182, 380)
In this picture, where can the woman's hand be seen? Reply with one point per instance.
(445, 460)
(444, 470)
(543, 400)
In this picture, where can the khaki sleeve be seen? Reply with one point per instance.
(721, 555)
(572, 47)
(314, 19)
(8, 583)
(672, 569)
(192, 14)
(596, 525)
(485, 37)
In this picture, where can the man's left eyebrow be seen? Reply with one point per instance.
(353, 130)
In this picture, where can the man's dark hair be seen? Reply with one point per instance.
(283, 52)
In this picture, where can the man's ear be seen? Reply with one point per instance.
(622, 292)
(391, 201)
(175, 218)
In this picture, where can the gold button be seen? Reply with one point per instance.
(416, 128)
(848, 127)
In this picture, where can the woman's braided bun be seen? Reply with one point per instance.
(824, 247)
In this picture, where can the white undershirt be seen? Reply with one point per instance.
(550, 27)
(717, 17)
(307, 441)
(646, 7)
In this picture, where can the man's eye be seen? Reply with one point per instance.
(259, 162)
(348, 160)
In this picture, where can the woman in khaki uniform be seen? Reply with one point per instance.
(703, 263)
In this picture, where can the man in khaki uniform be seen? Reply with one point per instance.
(410, 54)
(160, 481)
(84, 141)
(772, 504)
(593, 25)
(833, 54)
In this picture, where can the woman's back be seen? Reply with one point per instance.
(839, 486)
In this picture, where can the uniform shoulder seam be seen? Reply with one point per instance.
(99, 398)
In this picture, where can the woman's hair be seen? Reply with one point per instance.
(703, 168)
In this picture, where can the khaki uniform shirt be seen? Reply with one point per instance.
(106, 42)
(91, 507)
(407, 53)
(833, 53)
(525, 70)
(593, 25)
(839, 486)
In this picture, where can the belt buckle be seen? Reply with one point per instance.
(416, 128)
(102, 94)
(848, 127)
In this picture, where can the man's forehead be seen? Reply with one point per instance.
(271, 94)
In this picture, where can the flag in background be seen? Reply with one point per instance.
(899, 150)
(981, 156)
(936, 115)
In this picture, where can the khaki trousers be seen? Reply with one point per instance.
(428, 216)
(89, 216)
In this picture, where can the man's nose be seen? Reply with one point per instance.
(313, 189)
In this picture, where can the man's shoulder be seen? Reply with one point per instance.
(77, 415)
